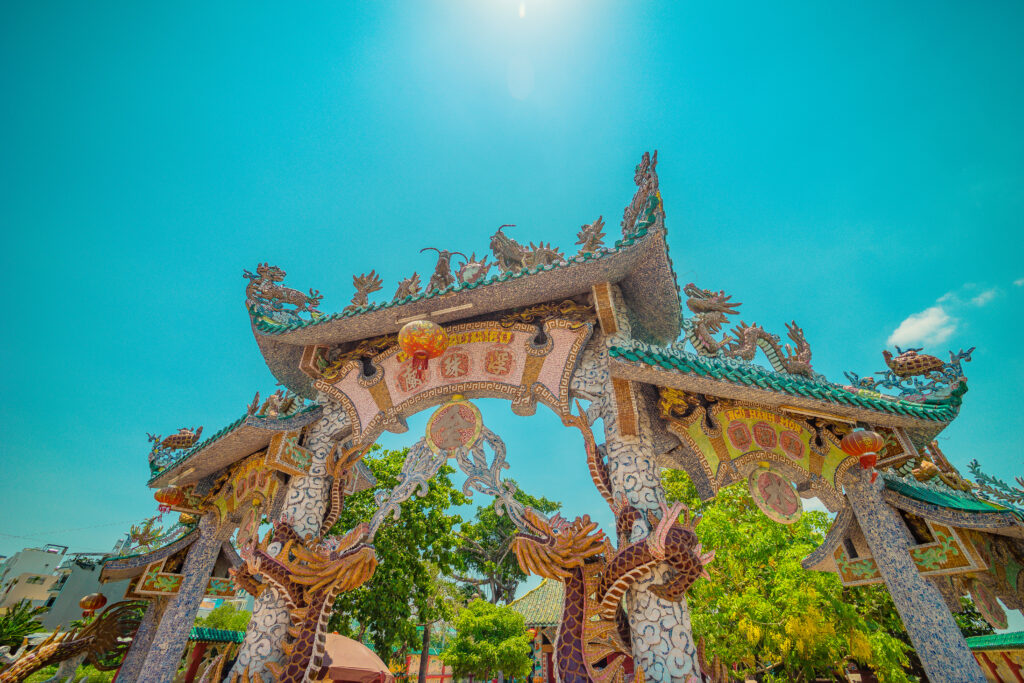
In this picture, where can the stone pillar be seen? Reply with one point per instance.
(663, 644)
(935, 635)
(133, 660)
(306, 502)
(662, 641)
(172, 634)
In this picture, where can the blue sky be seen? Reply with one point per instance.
(855, 167)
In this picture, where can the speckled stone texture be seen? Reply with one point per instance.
(172, 634)
(935, 635)
(662, 640)
(305, 507)
(142, 641)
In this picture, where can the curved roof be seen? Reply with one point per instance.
(243, 437)
(639, 263)
(542, 606)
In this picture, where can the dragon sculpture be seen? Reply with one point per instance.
(309, 574)
(711, 311)
(266, 299)
(593, 628)
(916, 376)
(514, 257)
(104, 641)
(365, 284)
(591, 237)
(643, 210)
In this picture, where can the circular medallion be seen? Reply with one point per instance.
(775, 495)
(792, 445)
(456, 424)
(764, 435)
(739, 434)
(988, 605)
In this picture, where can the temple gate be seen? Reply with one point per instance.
(596, 335)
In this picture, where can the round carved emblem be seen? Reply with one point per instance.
(764, 435)
(988, 605)
(456, 424)
(791, 444)
(775, 495)
(739, 435)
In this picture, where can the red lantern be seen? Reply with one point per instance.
(168, 497)
(92, 602)
(422, 340)
(864, 445)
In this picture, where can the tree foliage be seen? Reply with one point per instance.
(411, 554)
(227, 617)
(764, 614)
(486, 549)
(489, 639)
(18, 622)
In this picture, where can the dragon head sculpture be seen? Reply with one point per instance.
(711, 307)
(557, 546)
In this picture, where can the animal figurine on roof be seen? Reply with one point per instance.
(910, 363)
(264, 297)
(514, 257)
(184, 438)
(365, 284)
(710, 311)
(591, 237)
(442, 276)
(410, 286)
(473, 270)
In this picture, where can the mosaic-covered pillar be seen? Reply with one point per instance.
(932, 629)
(136, 656)
(305, 506)
(171, 635)
(663, 644)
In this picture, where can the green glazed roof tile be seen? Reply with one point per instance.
(757, 376)
(215, 635)
(997, 641)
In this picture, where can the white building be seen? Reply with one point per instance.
(77, 576)
(28, 575)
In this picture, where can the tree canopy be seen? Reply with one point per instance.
(489, 639)
(411, 555)
(227, 617)
(485, 546)
(763, 613)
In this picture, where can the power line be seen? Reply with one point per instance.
(40, 535)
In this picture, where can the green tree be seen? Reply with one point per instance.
(486, 549)
(489, 640)
(18, 622)
(411, 553)
(227, 617)
(763, 613)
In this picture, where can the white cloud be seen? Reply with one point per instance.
(985, 297)
(931, 326)
(1019, 282)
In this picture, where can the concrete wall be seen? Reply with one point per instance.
(79, 582)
